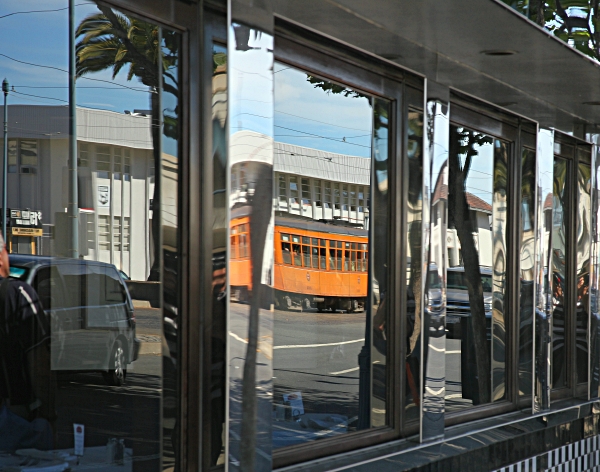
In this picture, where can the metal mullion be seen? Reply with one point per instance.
(571, 318)
(514, 267)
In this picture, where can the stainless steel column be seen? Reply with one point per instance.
(433, 301)
(542, 342)
(250, 319)
(594, 322)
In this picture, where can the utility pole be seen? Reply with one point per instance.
(5, 160)
(73, 207)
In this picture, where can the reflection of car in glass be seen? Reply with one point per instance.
(91, 313)
(457, 305)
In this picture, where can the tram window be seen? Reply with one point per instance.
(347, 260)
(323, 256)
(315, 242)
(243, 246)
(285, 251)
(233, 248)
(285, 237)
(306, 255)
(339, 259)
(331, 257)
(295, 239)
(353, 260)
(305, 240)
(323, 243)
(296, 251)
(315, 257)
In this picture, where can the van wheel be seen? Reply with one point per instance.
(117, 365)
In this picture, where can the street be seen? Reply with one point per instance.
(131, 412)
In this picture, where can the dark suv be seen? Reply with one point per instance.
(91, 313)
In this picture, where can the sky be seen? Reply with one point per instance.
(38, 37)
(34, 59)
(308, 116)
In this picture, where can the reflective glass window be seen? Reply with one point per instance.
(100, 250)
(317, 389)
(476, 274)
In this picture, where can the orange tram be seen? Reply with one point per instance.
(317, 265)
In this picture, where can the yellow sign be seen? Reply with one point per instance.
(27, 231)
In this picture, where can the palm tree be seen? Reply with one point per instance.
(110, 40)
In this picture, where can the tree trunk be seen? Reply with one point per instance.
(458, 212)
(156, 129)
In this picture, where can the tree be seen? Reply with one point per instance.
(464, 142)
(574, 21)
(111, 40)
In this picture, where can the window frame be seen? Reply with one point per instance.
(572, 389)
(310, 52)
(518, 133)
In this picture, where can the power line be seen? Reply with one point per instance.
(39, 96)
(43, 11)
(317, 121)
(324, 137)
(81, 77)
(79, 87)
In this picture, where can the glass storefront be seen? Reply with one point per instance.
(240, 243)
(106, 371)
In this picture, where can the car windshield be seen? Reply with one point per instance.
(18, 272)
(456, 281)
(434, 280)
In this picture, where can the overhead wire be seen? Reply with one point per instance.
(43, 11)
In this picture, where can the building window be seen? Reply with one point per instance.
(29, 153)
(103, 158)
(127, 161)
(12, 156)
(327, 200)
(336, 196)
(104, 232)
(22, 154)
(126, 233)
(282, 190)
(306, 192)
(293, 190)
(318, 200)
(83, 160)
(117, 160)
(117, 233)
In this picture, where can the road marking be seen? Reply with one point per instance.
(453, 352)
(235, 336)
(344, 371)
(434, 392)
(438, 349)
(454, 395)
(298, 346)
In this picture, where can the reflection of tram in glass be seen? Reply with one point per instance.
(322, 265)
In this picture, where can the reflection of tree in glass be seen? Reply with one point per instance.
(111, 40)
(464, 142)
(574, 21)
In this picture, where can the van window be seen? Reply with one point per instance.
(92, 285)
(456, 281)
(49, 288)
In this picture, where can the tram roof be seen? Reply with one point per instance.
(319, 226)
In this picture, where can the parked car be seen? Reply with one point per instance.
(91, 313)
(457, 305)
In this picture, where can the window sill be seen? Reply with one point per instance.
(460, 440)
